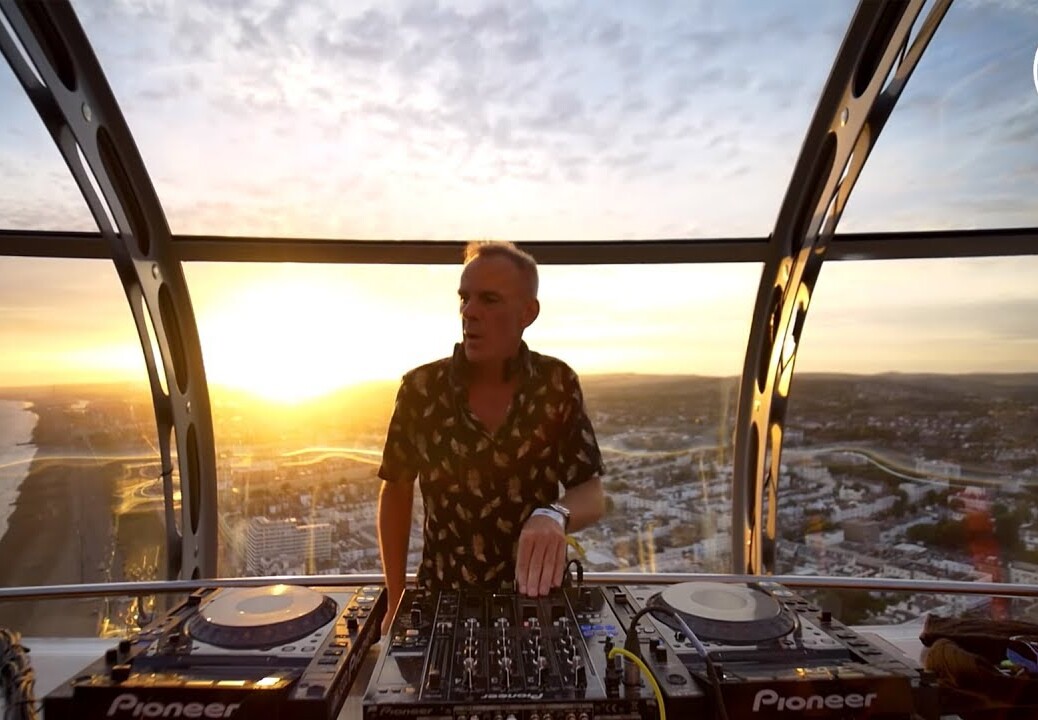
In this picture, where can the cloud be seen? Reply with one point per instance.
(660, 107)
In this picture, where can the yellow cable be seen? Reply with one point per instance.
(572, 542)
(640, 664)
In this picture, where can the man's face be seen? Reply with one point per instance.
(496, 306)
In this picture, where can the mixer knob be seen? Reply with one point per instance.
(470, 670)
(416, 614)
(471, 624)
(434, 679)
(580, 675)
(564, 626)
(506, 670)
(533, 623)
(351, 623)
(542, 669)
(501, 622)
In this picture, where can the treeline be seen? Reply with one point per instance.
(978, 533)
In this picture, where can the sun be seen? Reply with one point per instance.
(287, 341)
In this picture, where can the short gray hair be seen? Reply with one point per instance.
(503, 248)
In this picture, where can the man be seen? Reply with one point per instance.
(490, 433)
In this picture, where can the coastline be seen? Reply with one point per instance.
(59, 532)
(18, 420)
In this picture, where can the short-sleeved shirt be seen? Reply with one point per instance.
(478, 487)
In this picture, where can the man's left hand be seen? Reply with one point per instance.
(542, 556)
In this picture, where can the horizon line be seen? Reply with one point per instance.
(222, 387)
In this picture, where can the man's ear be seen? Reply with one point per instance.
(530, 312)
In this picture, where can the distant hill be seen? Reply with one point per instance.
(78, 391)
(376, 397)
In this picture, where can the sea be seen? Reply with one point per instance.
(17, 421)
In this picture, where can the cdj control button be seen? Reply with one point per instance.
(659, 650)
(315, 690)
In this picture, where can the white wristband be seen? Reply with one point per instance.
(553, 514)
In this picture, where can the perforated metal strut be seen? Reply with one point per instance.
(46, 47)
(878, 55)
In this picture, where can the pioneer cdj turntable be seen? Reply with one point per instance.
(500, 656)
(279, 651)
(776, 655)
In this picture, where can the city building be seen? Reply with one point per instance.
(288, 539)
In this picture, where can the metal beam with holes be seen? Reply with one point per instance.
(46, 47)
(877, 57)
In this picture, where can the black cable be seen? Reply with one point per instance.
(567, 576)
(17, 680)
(711, 669)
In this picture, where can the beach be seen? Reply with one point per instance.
(60, 530)
(17, 421)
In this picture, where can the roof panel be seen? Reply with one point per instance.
(559, 120)
(37, 191)
(960, 150)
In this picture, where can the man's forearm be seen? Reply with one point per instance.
(394, 533)
(586, 503)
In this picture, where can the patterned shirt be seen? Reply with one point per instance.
(478, 487)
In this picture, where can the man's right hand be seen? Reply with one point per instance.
(541, 556)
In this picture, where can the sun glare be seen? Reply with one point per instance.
(289, 342)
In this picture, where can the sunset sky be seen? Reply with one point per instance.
(558, 120)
